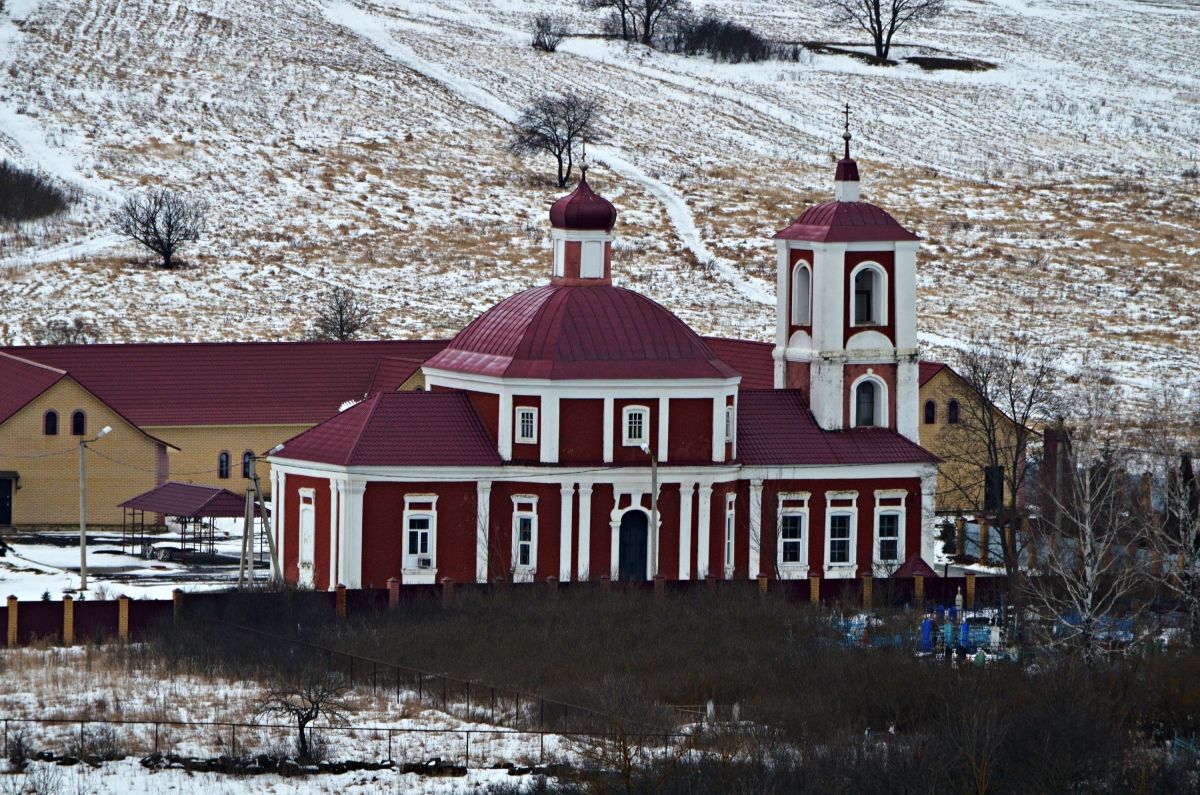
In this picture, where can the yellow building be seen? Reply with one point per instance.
(952, 428)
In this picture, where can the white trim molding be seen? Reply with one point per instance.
(524, 567)
(835, 505)
(795, 504)
(419, 567)
(889, 502)
(483, 521)
(881, 418)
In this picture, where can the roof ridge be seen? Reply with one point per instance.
(374, 401)
(32, 363)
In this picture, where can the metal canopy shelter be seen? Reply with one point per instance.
(188, 502)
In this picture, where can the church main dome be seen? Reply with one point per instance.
(580, 332)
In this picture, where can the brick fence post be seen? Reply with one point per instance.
(984, 543)
(919, 590)
(447, 587)
(762, 584)
(123, 618)
(605, 581)
(710, 580)
(177, 605)
(814, 589)
(339, 601)
(68, 621)
(11, 636)
(866, 590)
(659, 584)
(393, 586)
(970, 591)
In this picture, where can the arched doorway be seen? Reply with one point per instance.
(632, 550)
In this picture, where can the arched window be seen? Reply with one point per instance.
(801, 295)
(952, 412)
(867, 305)
(50, 423)
(247, 463)
(930, 412)
(223, 465)
(78, 423)
(865, 401)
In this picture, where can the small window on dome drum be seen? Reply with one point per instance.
(592, 264)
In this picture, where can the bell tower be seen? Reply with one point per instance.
(846, 330)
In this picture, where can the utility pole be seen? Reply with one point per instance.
(254, 498)
(83, 443)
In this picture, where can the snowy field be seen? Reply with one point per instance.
(362, 143)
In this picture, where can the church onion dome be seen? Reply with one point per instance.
(583, 210)
(569, 332)
(845, 222)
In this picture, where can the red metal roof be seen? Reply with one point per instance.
(189, 500)
(583, 209)
(915, 566)
(231, 383)
(928, 370)
(21, 381)
(580, 332)
(845, 222)
(436, 429)
(775, 427)
(752, 359)
(847, 170)
(392, 372)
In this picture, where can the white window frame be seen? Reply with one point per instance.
(524, 507)
(626, 413)
(879, 293)
(560, 257)
(730, 424)
(519, 435)
(841, 569)
(729, 549)
(591, 259)
(801, 310)
(417, 506)
(306, 538)
(787, 507)
(881, 401)
(891, 496)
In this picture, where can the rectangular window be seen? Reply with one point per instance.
(791, 536)
(839, 538)
(524, 537)
(730, 523)
(993, 488)
(889, 537)
(636, 426)
(592, 265)
(525, 541)
(418, 535)
(527, 421)
(729, 424)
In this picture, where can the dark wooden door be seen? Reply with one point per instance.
(6, 494)
(632, 548)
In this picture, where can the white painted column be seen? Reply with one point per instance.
(906, 294)
(608, 430)
(928, 514)
(567, 494)
(703, 528)
(549, 431)
(278, 514)
(351, 512)
(505, 433)
(614, 539)
(686, 491)
(483, 521)
(584, 564)
(335, 491)
(908, 398)
(664, 424)
(783, 312)
(718, 429)
(756, 486)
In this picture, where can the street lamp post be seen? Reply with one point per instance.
(83, 443)
(653, 509)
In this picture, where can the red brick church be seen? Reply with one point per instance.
(532, 451)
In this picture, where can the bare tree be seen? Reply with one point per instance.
(162, 221)
(1010, 393)
(556, 125)
(647, 15)
(76, 331)
(619, 8)
(1087, 546)
(882, 18)
(304, 701)
(341, 317)
(548, 32)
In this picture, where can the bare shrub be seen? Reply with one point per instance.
(304, 701)
(76, 331)
(548, 32)
(162, 221)
(27, 195)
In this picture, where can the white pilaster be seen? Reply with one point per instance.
(549, 430)
(278, 514)
(335, 491)
(608, 430)
(664, 425)
(908, 398)
(756, 486)
(483, 522)
(928, 514)
(505, 433)
(783, 314)
(718, 429)
(906, 294)
(585, 531)
(686, 491)
(567, 494)
(350, 522)
(703, 528)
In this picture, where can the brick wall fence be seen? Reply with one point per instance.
(74, 621)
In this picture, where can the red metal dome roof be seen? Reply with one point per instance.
(845, 222)
(583, 210)
(580, 332)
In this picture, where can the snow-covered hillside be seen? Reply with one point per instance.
(362, 142)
